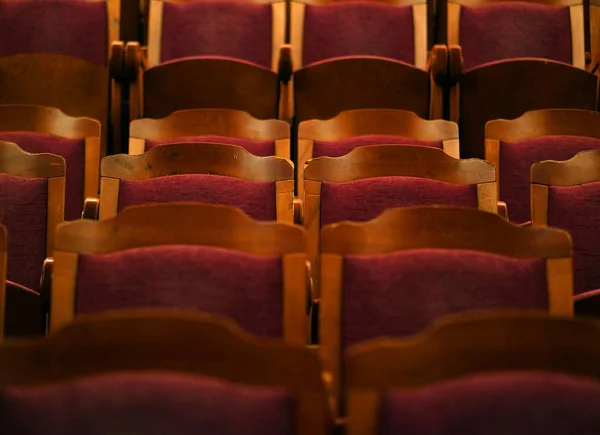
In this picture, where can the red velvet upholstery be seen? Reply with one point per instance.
(232, 29)
(514, 30)
(74, 28)
(358, 28)
(72, 150)
(257, 199)
(261, 148)
(247, 288)
(23, 210)
(516, 159)
(576, 209)
(344, 146)
(149, 403)
(400, 293)
(495, 403)
(365, 199)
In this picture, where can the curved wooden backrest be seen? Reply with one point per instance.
(170, 341)
(395, 122)
(583, 167)
(180, 223)
(445, 228)
(218, 122)
(408, 161)
(16, 161)
(197, 158)
(476, 342)
(545, 122)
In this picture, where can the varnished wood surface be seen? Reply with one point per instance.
(173, 340)
(508, 89)
(218, 122)
(583, 167)
(546, 122)
(15, 161)
(76, 87)
(359, 122)
(408, 161)
(477, 342)
(216, 84)
(325, 89)
(180, 223)
(46, 120)
(197, 158)
(446, 228)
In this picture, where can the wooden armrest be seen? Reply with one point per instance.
(24, 315)
(503, 209)
(298, 211)
(587, 304)
(286, 66)
(91, 209)
(438, 64)
(132, 60)
(455, 63)
(309, 288)
(116, 61)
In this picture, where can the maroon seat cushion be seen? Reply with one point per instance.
(516, 159)
(72, 150)
(365, 199)
(261, 148)
(341, 147)
(257, 199)
(73, 28)
(232, 29)
(506, 30)
(402, 292)
(247, 288)
(23, 210)
(358, 29)
(576, 209)
(145, 403)
(497, 403)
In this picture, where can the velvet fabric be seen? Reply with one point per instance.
(358, 29)
(516, 159)
(496, 403)
(401, 293)
(367, 198)
(73, 28)
(505, 30)
(72, 150)
(257, 199)
(232, 29)
(341, 147)
(23, 211)
(145, 403)
(247, 288)
(576, 209)
(261, 148)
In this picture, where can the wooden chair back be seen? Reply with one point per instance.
(170, 340)
(463, 345)
(434, 227)
(197, 158)
(182, 224)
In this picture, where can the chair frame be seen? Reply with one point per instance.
(450, 9)
(437, 227)
(15, 161)
(50, 120)
(462, 345)
(536, 123)
(218, 122)
(582, 168)
(172, 341)
(391, 160)
(197, 158)
(187, 224)
(361, 122)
